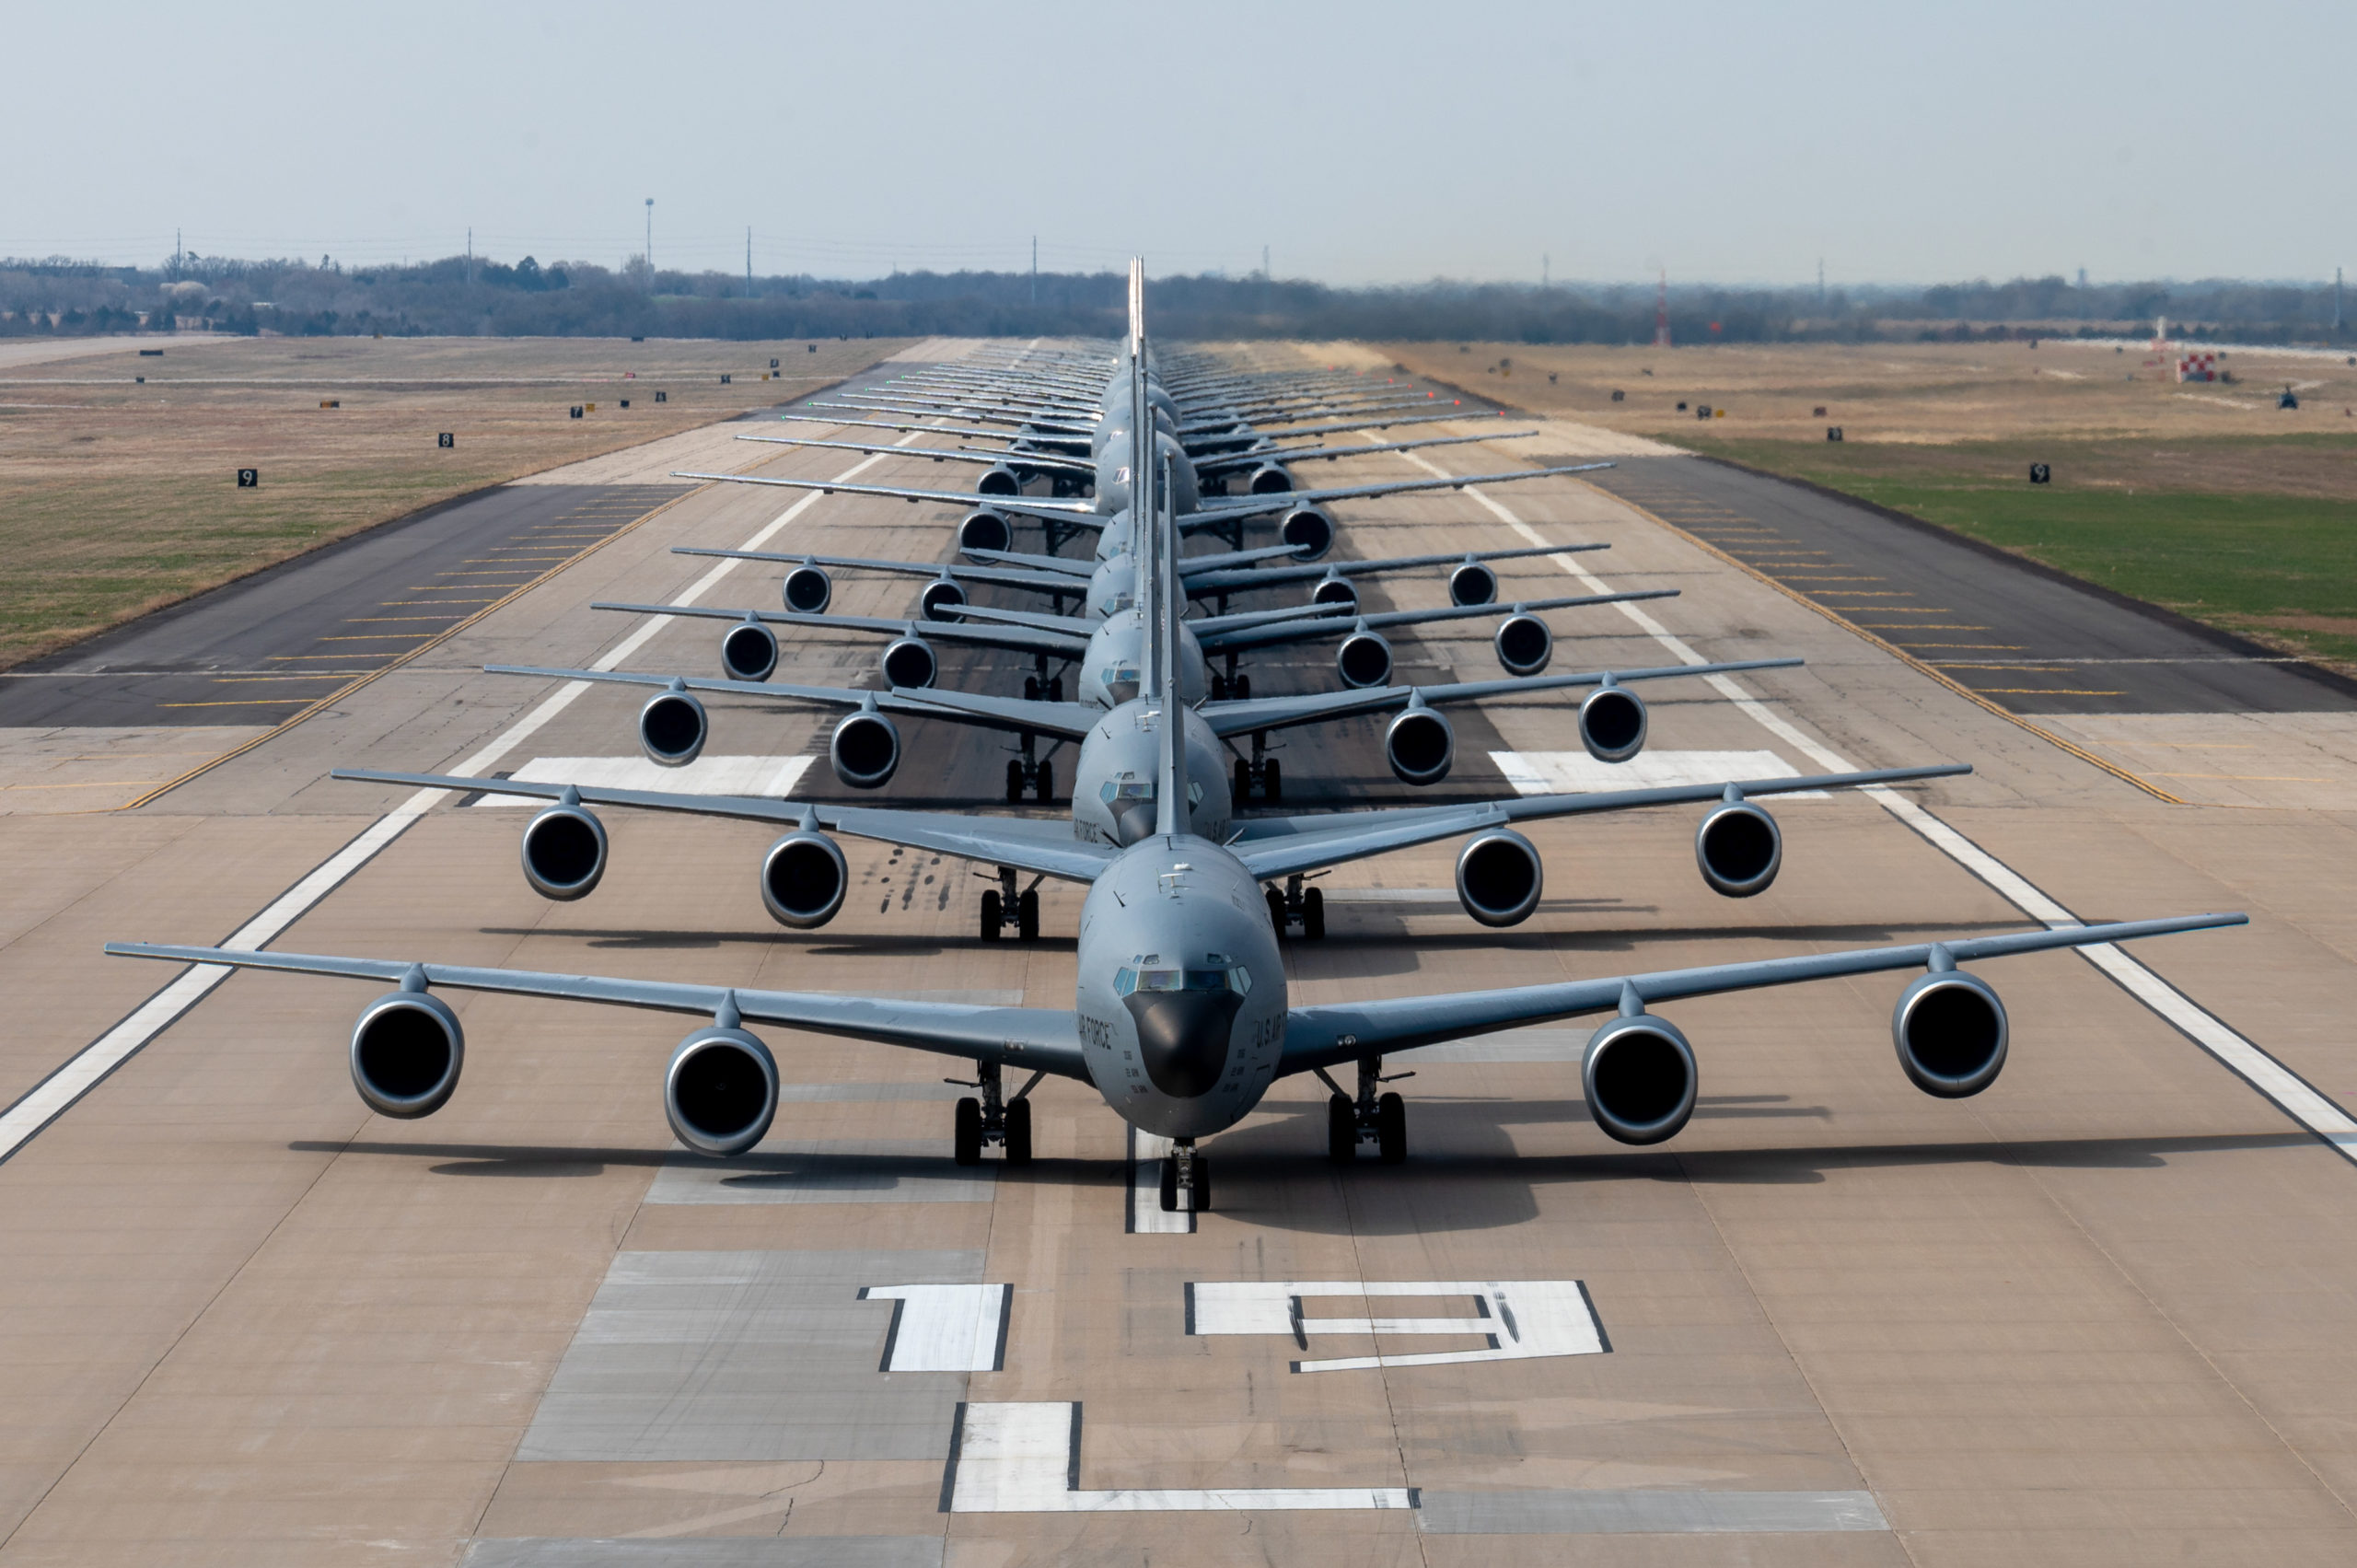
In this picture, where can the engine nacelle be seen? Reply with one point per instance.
(1499, 877)
(1270, 479)
(748, 652)
(808, 591)
(999, 480)
(672, 728)
(942, 598)
(1639, 1077)
(1335, 590)
(1363, 659)
(1524, 644)
(1740, 849)
(1613, 724)
(1310, 532)
(1420, 745)
(864, 750)
(804, 878)
(564, 853)
(1951, 1033)
(406, 1052)
(720, 1092)
(911, 661)
(985, 531)
(1472, 583)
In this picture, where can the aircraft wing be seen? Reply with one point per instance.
(1062, 565)
(938, 454)
(1027, 843)
(1066, 721)
(1221, 577)
(1275, 847)
(904, 424)
(1056, 634)
(1253, 506)
(1299, 631)
(1041, 582)
(1027, 1037)
(1309, 454)
(1316, 708)
(1193, 436)
(1083, 513)
(1327, 1036)
(1074, 628)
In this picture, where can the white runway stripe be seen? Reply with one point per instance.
(57, 1094)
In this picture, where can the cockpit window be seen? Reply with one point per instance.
(1232, 977)
(1113, 790)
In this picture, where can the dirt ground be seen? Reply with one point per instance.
(118, 496)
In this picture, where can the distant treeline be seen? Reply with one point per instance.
(458, 295)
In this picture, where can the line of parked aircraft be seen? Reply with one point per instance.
(1180, 1017)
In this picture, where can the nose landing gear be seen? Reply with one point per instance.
(1186, 1179)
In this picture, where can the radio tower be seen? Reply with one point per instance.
(1661, 313)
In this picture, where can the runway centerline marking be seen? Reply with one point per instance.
(2291, 1094)
(88, 1067)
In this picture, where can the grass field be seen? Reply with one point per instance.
(2204, 498)
(116, 498)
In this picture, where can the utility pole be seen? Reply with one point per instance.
(471, 258)
(1544, 261)
(2335, 302)
(1661, 313)
(1035, 269)
(748, 261)
(1264, 264)
(650, 245)
(1820, 283)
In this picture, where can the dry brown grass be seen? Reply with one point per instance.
(116, 498)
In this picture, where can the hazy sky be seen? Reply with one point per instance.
(1376, 141)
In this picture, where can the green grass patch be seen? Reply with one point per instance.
(2278, 567)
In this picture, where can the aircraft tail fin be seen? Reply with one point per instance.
(1173, 810)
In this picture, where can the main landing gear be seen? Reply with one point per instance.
(1186, 1180)
(1298, 905)
(1039, 686)
(1367, 1116)
(993, 1118)
(1036, 775)
(1261, 772)
(1004, 910)
(1231, 688)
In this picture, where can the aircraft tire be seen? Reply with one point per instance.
(1047, 790)
(1169, 1185)
(1243, 781)
(1313, 915)
(993, 914)
(1272, 781)
(966, 1140)
(1026, 915)
(1277, 911)
(1013, 781)
(1341, 1130)
(1018, 1132)
(1391, 1129)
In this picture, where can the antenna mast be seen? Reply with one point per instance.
(1661, 312)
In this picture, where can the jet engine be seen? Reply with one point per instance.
(808, 591)
(1740, 848)
(1420, 746)
(804, 878)
(720, 1091)
(748, 652)
(1363, 659)
(1637, 1076)
(1270, 479)
(910, 661)
(1524, 644)
(1472, 583)
(985, 529)
(1499, 877)
(1333, 590)
(864, 750)
(999, 480)
(1310, 532)
(1613, 724)
(1951, 1033)
(564, 853)
(406, 1052)
(672, 728)
(942, 595)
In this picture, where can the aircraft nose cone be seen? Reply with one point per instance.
(1183, 1037)
(1133, 820)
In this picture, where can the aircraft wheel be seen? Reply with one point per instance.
(1047, 790)
(1055, 688)
(1277, 911)
(1243, 781)
(1313, 915)
(1391, 1129)
(1219, 688)
(966, 1142)
(1272, 781)
(1018, 1132)
(1026, 915)
(1203, 1185)
(1341, 1130)
(1241, 687)
(993, 913)
(1013, 781)
(1169, 1185)
(1030, 688)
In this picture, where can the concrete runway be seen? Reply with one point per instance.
(2096, 1315)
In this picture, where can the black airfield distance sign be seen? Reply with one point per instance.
(249, 479)
(2040, 474)
(446, 440)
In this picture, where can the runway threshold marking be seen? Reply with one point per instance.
(88, 1067)
(2291, 1094)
